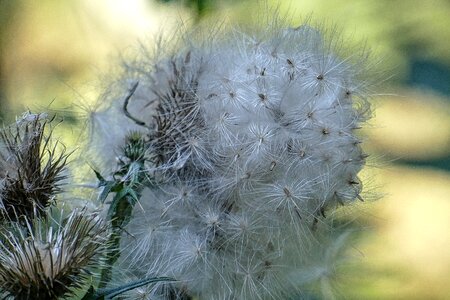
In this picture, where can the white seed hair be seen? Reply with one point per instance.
(252, 140)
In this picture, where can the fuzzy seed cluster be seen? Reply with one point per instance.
(251, 142)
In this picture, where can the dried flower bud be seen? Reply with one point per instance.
(48, 259)
(31, 169)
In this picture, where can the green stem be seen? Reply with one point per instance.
(119, 220)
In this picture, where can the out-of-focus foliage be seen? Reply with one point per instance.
(57, 54)
(413, 126)
(7, 12)
(403, 253)
(397, 29)
(199, 7)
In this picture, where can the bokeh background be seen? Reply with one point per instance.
(54, 54)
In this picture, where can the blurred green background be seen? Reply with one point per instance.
(54, 54)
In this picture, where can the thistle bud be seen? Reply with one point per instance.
(31, 169)
(49, 259)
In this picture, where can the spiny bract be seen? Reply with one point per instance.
(251, 140)
(49, 258)
(31, 169)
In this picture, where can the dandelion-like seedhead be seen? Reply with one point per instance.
(31, 169)
(49, 258)
(250, 142)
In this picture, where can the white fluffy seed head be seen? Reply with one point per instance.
(252, 140)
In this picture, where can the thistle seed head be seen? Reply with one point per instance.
(260, 130)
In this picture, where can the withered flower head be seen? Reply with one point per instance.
(48, 258)
(31, 169)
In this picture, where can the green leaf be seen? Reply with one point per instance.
(121, 207)
(122, 193)
(99, 177)
(104, 294)
(92, 295)
(107, 188)
(133, 196)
